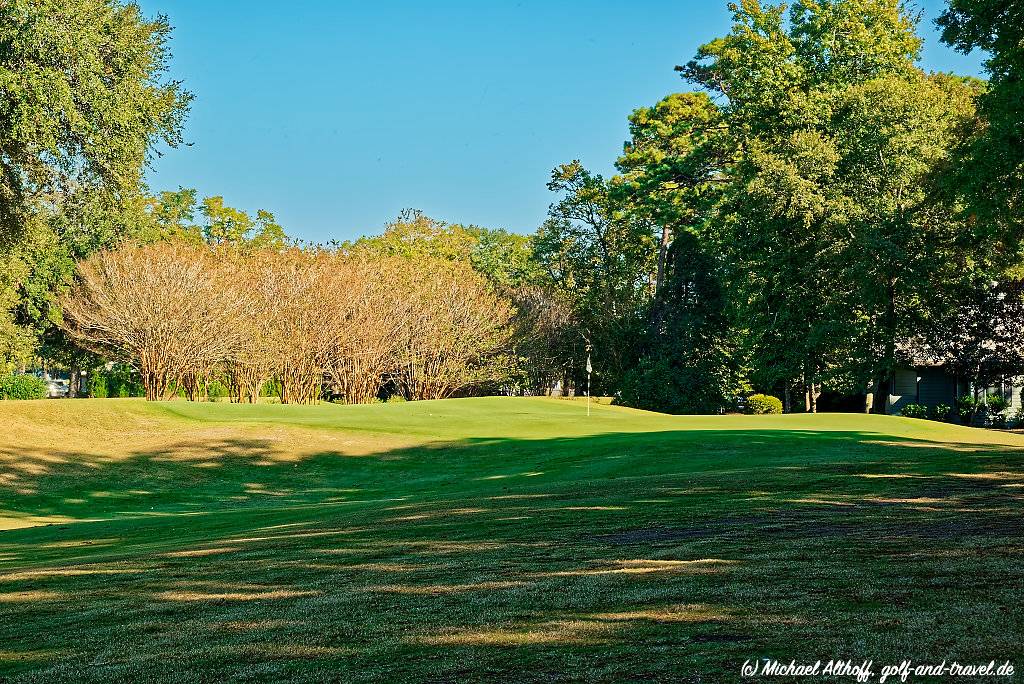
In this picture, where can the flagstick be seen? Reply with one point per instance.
(590, 369)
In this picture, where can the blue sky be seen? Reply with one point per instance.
(336, 115)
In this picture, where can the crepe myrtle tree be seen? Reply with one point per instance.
(162, 308)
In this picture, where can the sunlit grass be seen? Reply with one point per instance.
(494, 540)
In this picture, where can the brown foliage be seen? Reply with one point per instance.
(371, 315)
(303, 320)
(180, 313)
(455, 326)
(164, 308)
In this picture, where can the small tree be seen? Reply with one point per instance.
(371, 314)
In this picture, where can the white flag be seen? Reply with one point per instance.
(590, 369)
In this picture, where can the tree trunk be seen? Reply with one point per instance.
(787, 402)
(889, 371)
(74, 382)
(814, 393)
(666, 240)
(155, 382)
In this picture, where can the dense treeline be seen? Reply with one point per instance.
(815, 213)
(818, 213)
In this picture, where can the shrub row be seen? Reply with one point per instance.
(17, 386)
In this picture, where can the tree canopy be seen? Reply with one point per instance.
(85, 103)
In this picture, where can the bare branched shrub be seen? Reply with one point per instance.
(544, 329)
(254, 358)
(163, 308)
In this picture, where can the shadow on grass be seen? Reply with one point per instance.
(611, 557)
(236, 472)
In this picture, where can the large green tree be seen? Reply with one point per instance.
(673, 169)
(990, 177)
(671, 164)
(84, 103)
(831, 220)
(600, 256)
(690, 362)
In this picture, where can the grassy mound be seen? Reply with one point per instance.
(494, 539)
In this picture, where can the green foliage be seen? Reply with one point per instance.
(658, 385)
(23, 387)
(834, 233)
(271, 388)
(505, 258)
(763, 404)
(914, 411)
(600, 259)
(415, 235)
(996, 404)
(690, 362)
(989, 176)
(941, 412)
(676, 152)
(171, 216)
(229, 226)
(216, 389)
(96, 385)
(967, 407)
(118, 381)
(84, 98)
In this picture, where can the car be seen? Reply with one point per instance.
(57, 389)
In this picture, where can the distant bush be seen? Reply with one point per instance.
(966, 407)
(914, 411)
(22, 387)
(396, 399)
(941, 412)
(997, 404)
(271, 388)
(656, 383)
(216, 390)
(762, 404)
(1017, 420)
(118, 381)
(96, 385)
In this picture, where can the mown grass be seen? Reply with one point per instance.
(495, 540)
